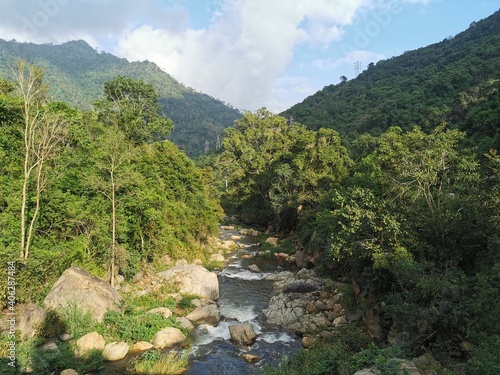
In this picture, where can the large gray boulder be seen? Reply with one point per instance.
(242, 334)
(193, 279)
(208, 314)
(89, 292)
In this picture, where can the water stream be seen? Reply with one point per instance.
(243, 296)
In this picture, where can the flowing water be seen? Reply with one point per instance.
(243, 296)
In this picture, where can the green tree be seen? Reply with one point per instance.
(43, 132)
(434, 179)
(275, 167)
(132, 105)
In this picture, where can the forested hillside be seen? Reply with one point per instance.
(452, 81)
(75, 73)
(94, 188)
(391, 183)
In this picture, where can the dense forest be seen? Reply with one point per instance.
(75, 73)
(455, 80)
(94, 188)
(389, 183)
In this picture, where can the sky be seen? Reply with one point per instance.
(247, 53)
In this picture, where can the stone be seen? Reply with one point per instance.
(181, 262)
(308, 342)
(427, 365)
(90, 293)
(141, 346)
(198, 262)
(91, 341)
(138, 276)
(242, 334)
(162, 311)
(250, 358)
(299, 286)
(227, 227)
(339, 321)
(51, 345)
(65, 337)
(365, 371)
(254, 268)
(167, 338)
(185, 323)
(217, 258)
(69, 371)
(272, 240)
(407, 367)
(193, 279)
(208, 314)
(229, 245)
(29, 319)
(114, 351)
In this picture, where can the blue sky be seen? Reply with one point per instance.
(248, 53)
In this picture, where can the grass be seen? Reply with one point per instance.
(156, 363)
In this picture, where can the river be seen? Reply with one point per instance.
(243, 296)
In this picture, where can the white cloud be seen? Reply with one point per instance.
(239, 55)
(245, 48)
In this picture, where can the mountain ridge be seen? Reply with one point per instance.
(424, 87)
(75, 73)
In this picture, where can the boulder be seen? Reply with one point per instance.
(250, 358)
(91, 341)
(114, 351)
(29, 318)
(229, 245)
(272, 240)
(162, 311)
(184, 323)
(167, 338)
(69, 371)
(208, 314)
(242, 334)
(193, 279)
(141, 346)
(254, 268)
(90, 293)
(300, 286)
(217, 258)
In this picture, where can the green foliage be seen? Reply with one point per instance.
(486, 360)
(133, 327)
(75, 73)
(381, 359)
(272, 167)
(45, 362)
(77, 322)
(447, 80)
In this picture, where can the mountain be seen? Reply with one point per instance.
(76, 73)
(452, 80)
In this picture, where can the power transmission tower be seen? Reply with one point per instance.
(357, 67)
(207, 146)
(217, 144)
